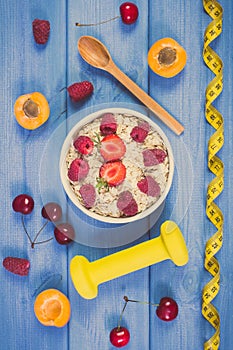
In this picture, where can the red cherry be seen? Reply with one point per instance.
(23, 204)
(119, 336)
(64, 233)
(167, 309)
(129, 12)
(52, 211)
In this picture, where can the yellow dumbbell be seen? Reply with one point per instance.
(86, 276)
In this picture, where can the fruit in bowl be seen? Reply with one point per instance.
(116, 165)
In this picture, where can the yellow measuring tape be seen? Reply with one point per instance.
(215, 187)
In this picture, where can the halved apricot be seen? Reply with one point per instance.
(166, 57)
(52, 308)
(31, 110)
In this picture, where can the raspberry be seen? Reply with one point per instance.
(124, 200)
(144, 125)
(153, 156)
(18, 266)
(108, 124)
(140, 132)
(79, 91)
(41, 30)
(88, 195)
(131, 209)
(84, 145)
(78, 170)
(127, 204)
(149, 186)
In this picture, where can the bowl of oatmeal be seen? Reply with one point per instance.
(116, 166)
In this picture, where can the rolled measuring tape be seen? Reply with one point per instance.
(216, 166)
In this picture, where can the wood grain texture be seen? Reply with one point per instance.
(26, 167)
(184, 284)
(106, 308)
(26, 68)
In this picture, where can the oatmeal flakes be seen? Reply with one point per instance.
(122, 175)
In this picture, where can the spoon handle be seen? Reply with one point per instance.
(161, 113)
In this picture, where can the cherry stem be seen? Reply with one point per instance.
(39, 232)
(25, 229)
(121, 315)
(126, 299)
(140, 302)
(95, 24)
(45, 241)
(33, 243)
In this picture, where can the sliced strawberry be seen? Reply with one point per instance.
(113, 172)
(18, 266)
(112, 148)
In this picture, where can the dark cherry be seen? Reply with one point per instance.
(129, 12)
(167, 310)
(119, 337)
(23, 204)
(52, 211)
(64, 233)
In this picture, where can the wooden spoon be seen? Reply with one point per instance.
(96, 54)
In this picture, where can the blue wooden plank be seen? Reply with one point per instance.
(100, 315)
(224, 104)
(184, 95)
(25, 68)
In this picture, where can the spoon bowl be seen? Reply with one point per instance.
(96, 54)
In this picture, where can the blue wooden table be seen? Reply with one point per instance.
(27, 167)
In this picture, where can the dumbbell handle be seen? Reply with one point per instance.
(127, 261)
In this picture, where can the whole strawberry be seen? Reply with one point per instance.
(79, 91)
(18, 266)
(41, 30)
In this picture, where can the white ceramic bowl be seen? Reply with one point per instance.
(154, 208)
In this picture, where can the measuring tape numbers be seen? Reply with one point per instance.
(216, 166)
